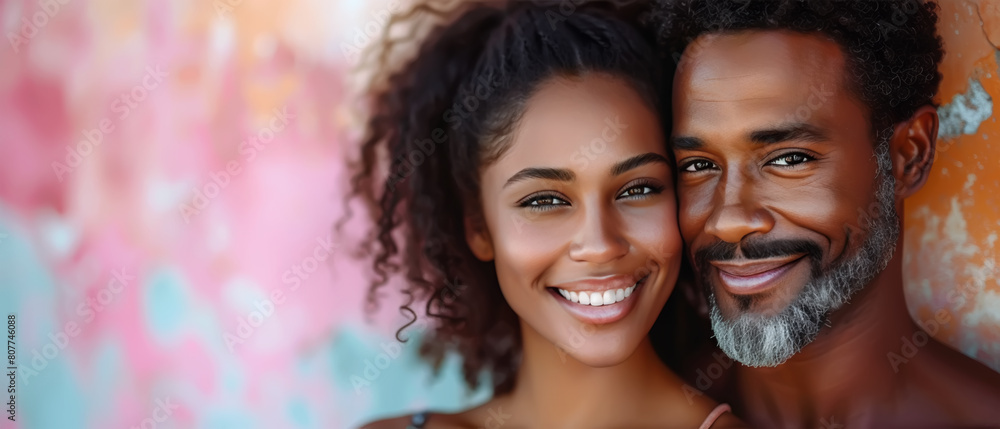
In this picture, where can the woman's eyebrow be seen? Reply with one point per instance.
(564, 175)
(559, 174)
(636, 162)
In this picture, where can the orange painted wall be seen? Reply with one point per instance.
(952, 224)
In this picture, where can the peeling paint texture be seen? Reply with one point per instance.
(965, 112)
(951, 225)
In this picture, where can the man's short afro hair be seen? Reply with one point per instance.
(891, 47)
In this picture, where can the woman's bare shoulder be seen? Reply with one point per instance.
(729, 421)
(459, 420)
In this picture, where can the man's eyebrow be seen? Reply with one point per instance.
(790, 132)
(636, 162)
(686, 143)
(559, 174)
(784, 133)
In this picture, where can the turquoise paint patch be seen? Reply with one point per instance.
(59, 234)
(347, 348)
(53, 398)
(22, 276)
(299, 413)
(448, 392)
(165, 303)
(395, 378)
(109, 370)
(965, 112)
(232, 379)
(230, 418)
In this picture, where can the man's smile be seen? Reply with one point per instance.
(752, 276)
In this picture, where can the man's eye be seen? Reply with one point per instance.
(791, 159)
(698, 165)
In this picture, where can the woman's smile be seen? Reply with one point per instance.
(599, 300)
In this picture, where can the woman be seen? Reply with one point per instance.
(529, 199)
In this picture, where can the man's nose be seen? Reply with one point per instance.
(599, 239)
(737, 212)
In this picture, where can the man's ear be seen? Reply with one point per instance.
(477, 235)
(912, 150)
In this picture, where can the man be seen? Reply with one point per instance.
(799, 129)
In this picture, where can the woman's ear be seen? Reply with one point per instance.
(477, 235)
(912, 150)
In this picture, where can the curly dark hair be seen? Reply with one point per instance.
(438, 119)
(891, 48)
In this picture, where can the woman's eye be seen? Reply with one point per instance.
(544, 201)
(698, 165)
(791, 159)
(638, 190)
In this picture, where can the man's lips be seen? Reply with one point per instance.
(743, 277)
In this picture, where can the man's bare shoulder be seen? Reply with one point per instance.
(954, 384)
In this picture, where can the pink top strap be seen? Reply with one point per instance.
(714, 415)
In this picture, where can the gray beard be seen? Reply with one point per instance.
(766, 341)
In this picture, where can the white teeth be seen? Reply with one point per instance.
(609, 296)
(597, 299)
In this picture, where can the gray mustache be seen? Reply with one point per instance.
(756, 249)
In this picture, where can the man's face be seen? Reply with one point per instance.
(785, 203)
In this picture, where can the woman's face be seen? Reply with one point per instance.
(580, 218)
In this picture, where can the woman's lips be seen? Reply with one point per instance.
(602, 313)
(753, 276)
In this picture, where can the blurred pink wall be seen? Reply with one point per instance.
(169, 177)
(171, 172)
